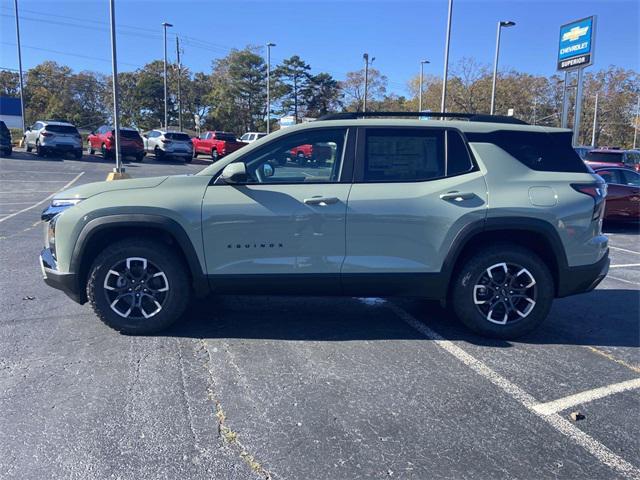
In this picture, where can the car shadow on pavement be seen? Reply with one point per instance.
(599, 318)
(629, 228)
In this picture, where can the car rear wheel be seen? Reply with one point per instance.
(39, 149)
(27, 145)
(138, 287)
(504, 291)
(139, 157)
(158, 153)
(105, 153)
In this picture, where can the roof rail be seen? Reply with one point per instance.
(472, 117)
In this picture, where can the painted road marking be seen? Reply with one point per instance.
(622, 280)
(562, 425)
(624, 250)
(587, 396)
(608, 356)
(2, 180)
(43, 200)
(624, 265)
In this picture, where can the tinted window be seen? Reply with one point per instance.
(630, 177)
(321, 162)
(610, 176)
(129, 134)
(177, 136)
(260, 135)
(229, 137)
(61, 129)
(606, 157)
(542, 151)
(458, 160)
(395, 155)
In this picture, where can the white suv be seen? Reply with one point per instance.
(251, 137)
(53, 137)
(163, 144)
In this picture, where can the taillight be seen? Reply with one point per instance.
(165, 140)
(46, 134)
(597, 191)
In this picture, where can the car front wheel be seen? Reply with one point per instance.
(138, 287)
(503, 292)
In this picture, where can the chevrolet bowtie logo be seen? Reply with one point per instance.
(574, 34)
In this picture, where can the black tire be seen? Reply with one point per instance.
(195, 154)
(104, 152)
(90, 150)
(214, 155)
(157, 255)
(139, 157)
(39, 150)
(78, 154)
(9, 152)
(27, 145)
(188, 159)
(301, 160)
(158, 153)
(474, 273)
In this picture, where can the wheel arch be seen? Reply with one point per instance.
(536, 235)
(100, 232)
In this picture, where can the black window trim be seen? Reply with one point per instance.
(358, 172)
(346, 169)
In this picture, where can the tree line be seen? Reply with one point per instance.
(232, 96)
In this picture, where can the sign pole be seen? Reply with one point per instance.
(595, 122)
(565, 101)
(578, 110)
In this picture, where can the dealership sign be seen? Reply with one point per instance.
(576, 44)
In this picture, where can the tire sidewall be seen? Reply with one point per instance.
(167, 261)
(469, 274)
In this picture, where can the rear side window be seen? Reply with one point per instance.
(541, 151)
(129, 134)
(399, 155)
(228, 137)
(177, 136)
(458, 160)
(61, 129)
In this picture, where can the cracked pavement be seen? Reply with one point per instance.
(287, 388)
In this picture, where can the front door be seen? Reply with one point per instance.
(414, 190)
(284, 230)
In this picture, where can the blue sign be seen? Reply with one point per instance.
(576, 44)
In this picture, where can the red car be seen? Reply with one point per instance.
(216, 143)
(623, 193)
(613, 157)
(103, 140)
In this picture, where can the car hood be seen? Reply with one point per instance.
(91, 189)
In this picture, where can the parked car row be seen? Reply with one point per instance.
(5, 139)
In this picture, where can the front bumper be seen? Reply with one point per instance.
(67, 282)
(584, 278)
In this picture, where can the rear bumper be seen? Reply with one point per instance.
(584, 278)
(67, 282)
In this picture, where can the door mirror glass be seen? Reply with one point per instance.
(234, 173)
(268, 170)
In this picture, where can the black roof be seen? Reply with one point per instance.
(472, 117)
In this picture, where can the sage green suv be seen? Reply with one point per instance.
(490, 216)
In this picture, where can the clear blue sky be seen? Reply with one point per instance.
(329, 35)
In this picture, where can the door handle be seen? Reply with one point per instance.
(457, 196)
(320, 201)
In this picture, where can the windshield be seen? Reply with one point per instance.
(606, 157)
(183, 137)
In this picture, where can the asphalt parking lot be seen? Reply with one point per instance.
(292, 388)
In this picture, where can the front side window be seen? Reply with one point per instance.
(630, 177)
(403, 155)
(610, 176)
(312, 156)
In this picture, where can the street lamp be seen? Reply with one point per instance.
(422, 62)
(164, 28)
(15, 3)
(506, 24)
(269, 45)
(446, 60)
(365, 57)
(116, 110)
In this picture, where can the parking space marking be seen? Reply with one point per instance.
(37, 171)
(561, 404)
(43, 200)
(624, 265)
(624, 250)
(562, 425)
(622, 280)
(608, 356)
(2, 180)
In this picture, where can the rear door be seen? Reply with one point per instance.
(284, 229)
(414, 190)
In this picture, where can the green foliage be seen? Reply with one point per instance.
(294, 77)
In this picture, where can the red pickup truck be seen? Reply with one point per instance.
(316, 154)
(217, 144)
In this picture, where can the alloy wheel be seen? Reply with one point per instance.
(136, 288)
(505, 293)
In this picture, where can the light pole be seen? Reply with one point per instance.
(179, 89)
(164, 28)
(503, 23)
(269, 45)
(114, 71)
(443, 103)
(422, 62)
(595, 121)
(365, 57)
(15, 3)
(635, 130)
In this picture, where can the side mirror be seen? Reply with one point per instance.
(268, 170)
(234, 173)
(28, 129)
(145, 135)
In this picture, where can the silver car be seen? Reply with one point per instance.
(53, 137)
(251, 137)
(165, 144)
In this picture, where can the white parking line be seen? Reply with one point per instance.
(622, 280)
(2, 180)
(624, 250)
(37, 171)
(15, 203)
(586, 396)
(43, 200)
(562, 425)
(625, 265)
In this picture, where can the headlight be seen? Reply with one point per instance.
(51, 236)
(58, 206)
